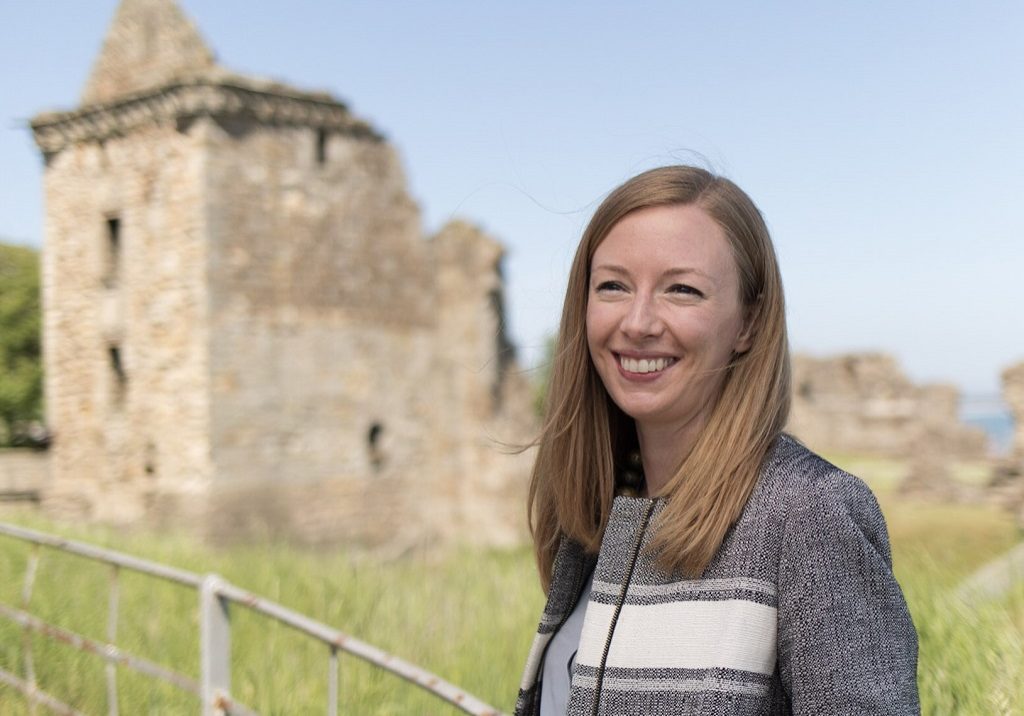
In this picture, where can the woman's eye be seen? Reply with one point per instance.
(609, 286)
(685, 290)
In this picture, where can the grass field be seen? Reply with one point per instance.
(468, 616)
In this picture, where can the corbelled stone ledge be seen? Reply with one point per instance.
(210, 95)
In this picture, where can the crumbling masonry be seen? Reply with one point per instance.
(245, 328)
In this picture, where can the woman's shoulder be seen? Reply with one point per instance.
(801, 502)
(809, 492)
(801, 475)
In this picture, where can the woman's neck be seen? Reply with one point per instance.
(662, 448)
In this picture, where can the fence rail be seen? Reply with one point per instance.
(215, 599)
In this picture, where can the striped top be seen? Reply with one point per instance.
(798, 613)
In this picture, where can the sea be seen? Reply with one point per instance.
(992, 415)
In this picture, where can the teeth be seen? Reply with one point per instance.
(645, 365)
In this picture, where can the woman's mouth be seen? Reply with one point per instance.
(644, 365)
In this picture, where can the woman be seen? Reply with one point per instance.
(696, 559)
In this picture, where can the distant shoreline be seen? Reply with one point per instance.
(993, 416)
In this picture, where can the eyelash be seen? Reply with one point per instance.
(684, 288)
(680, 288)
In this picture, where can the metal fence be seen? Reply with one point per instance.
(215, 598)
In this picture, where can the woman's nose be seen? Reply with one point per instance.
(641, 319)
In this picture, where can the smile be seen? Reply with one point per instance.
(644, 365)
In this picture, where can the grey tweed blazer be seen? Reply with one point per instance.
(798, 613)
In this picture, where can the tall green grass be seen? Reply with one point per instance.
(971, 654)
(468, 616)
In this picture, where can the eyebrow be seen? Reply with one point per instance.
(614, 268)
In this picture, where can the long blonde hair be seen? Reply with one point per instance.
(586, 438)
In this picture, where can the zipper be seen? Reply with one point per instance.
(618, 606)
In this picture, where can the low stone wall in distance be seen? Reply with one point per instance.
(24, 474)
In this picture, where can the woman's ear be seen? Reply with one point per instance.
(743, 341)
(746, 335)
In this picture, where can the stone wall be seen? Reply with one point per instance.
(321, 325)
(125, 317)
(24, 474)
(864, 404)
(485, 396)
(1013, 396)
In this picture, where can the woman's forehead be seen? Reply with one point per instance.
(682, 238)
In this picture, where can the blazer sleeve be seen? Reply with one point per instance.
(846, 643)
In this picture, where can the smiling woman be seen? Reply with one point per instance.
(696, 559)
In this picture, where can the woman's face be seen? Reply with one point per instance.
(664, 315)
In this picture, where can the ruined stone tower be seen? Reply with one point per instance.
(244, 325)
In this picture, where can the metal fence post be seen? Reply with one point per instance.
(26, 637)
(215, 647)
(112, 609)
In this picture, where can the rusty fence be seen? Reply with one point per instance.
(215, 599)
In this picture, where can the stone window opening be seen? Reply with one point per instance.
(150, 459)
(321, 147)
(373, 445)
(112, 252)
(118, 372)
(805, 390)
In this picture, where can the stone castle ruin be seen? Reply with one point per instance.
(863, 403)
(245, 328)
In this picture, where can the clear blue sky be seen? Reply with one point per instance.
(884, 142)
